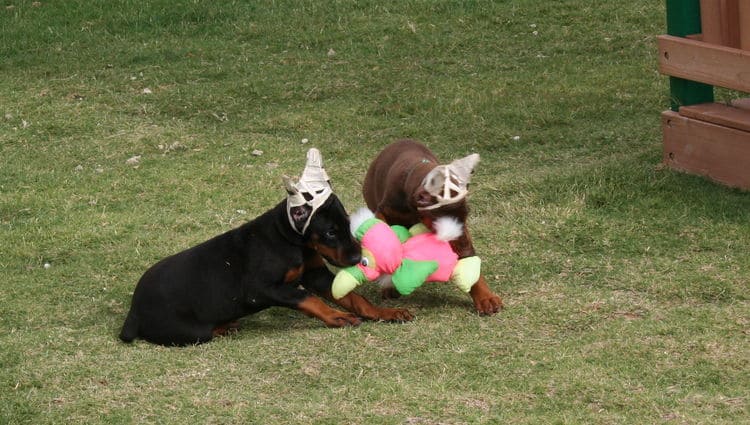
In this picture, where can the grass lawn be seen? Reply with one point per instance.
(129, 130)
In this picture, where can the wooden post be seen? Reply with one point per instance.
(720, 22)
(711, 21)
(683, 18)
(730, 22)
(744, 24)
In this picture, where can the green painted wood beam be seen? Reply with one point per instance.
(684, 18)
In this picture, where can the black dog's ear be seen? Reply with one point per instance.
(299, 216)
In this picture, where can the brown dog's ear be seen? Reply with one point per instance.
(463, 168)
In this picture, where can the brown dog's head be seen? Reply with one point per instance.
(443, 193)
(317, 215)
(445, 186)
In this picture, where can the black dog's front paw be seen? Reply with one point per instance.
(341, 319)
(394, 315)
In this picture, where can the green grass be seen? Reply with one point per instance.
(625, 284)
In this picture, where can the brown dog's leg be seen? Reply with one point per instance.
(363, 308)
(315, 307)
(485, 301)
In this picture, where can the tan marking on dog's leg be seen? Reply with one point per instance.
(363, 308)
(293, 274)
(315, 307)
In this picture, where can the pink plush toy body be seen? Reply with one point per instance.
(409, 256)
(427, 247)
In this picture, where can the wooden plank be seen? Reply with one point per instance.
(706, 63)
(698, 147)
(719, 113)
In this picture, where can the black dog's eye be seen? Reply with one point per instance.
(331, 234)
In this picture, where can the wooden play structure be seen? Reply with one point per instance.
(708, 44)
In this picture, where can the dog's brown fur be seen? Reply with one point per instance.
(393, 189)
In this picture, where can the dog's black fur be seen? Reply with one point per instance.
(191, 296)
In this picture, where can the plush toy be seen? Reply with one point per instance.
(410, 256)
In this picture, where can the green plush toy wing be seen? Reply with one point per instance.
(346, 280)
(466, 273)
(412, 274)
(418, 229)
(401, 232)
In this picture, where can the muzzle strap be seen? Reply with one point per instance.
(449, 184)
(312, 189)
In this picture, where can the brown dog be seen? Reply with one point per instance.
(407, 185)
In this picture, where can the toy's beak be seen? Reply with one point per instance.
(343, 283)
(467, 272)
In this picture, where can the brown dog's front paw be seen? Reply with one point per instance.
(485, 301)
(489, 306)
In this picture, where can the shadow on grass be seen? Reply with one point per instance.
(433, 299)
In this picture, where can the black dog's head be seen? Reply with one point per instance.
(328, 232)
(317, 215)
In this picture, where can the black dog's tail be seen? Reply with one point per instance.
(130, 328)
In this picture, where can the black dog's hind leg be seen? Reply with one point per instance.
(178, 333)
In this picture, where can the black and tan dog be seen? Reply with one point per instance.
(273, 260)
(406, 185)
